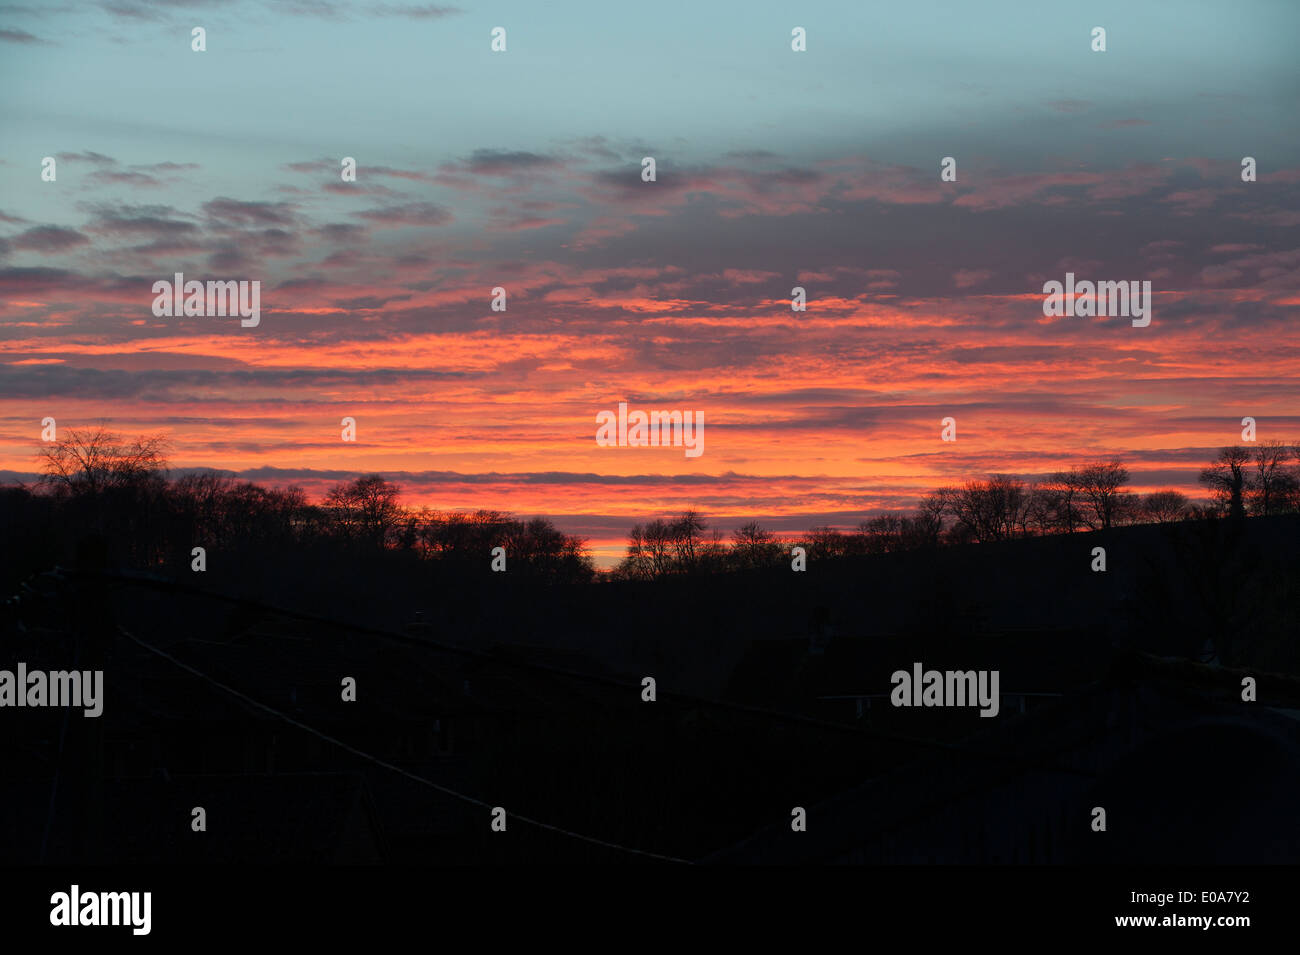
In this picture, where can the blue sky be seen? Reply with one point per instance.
(690, 80)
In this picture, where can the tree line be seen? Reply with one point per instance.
(1260, 479)
(96, 482)
(120, 489)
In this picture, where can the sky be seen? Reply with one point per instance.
(522, 169)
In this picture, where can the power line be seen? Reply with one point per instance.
(389, 766)
(427, 644)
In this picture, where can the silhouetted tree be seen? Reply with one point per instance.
(822, 542)
(366, 509)
(1164, 507)
(90, 460)
(659, 540)
(1226, 479)
(687, 538)
(113, 492)
(754, 546)
(878, 535)
(1102, 486)
(459, 537)
(991, 510)
(676, 546)
(1061, 501)
(1270, 486)
(650, 551)
(635, 564)
(929, 520)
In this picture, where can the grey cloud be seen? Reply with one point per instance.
(414, 214)
(49, 238)
(225, 211)
(20, 36)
